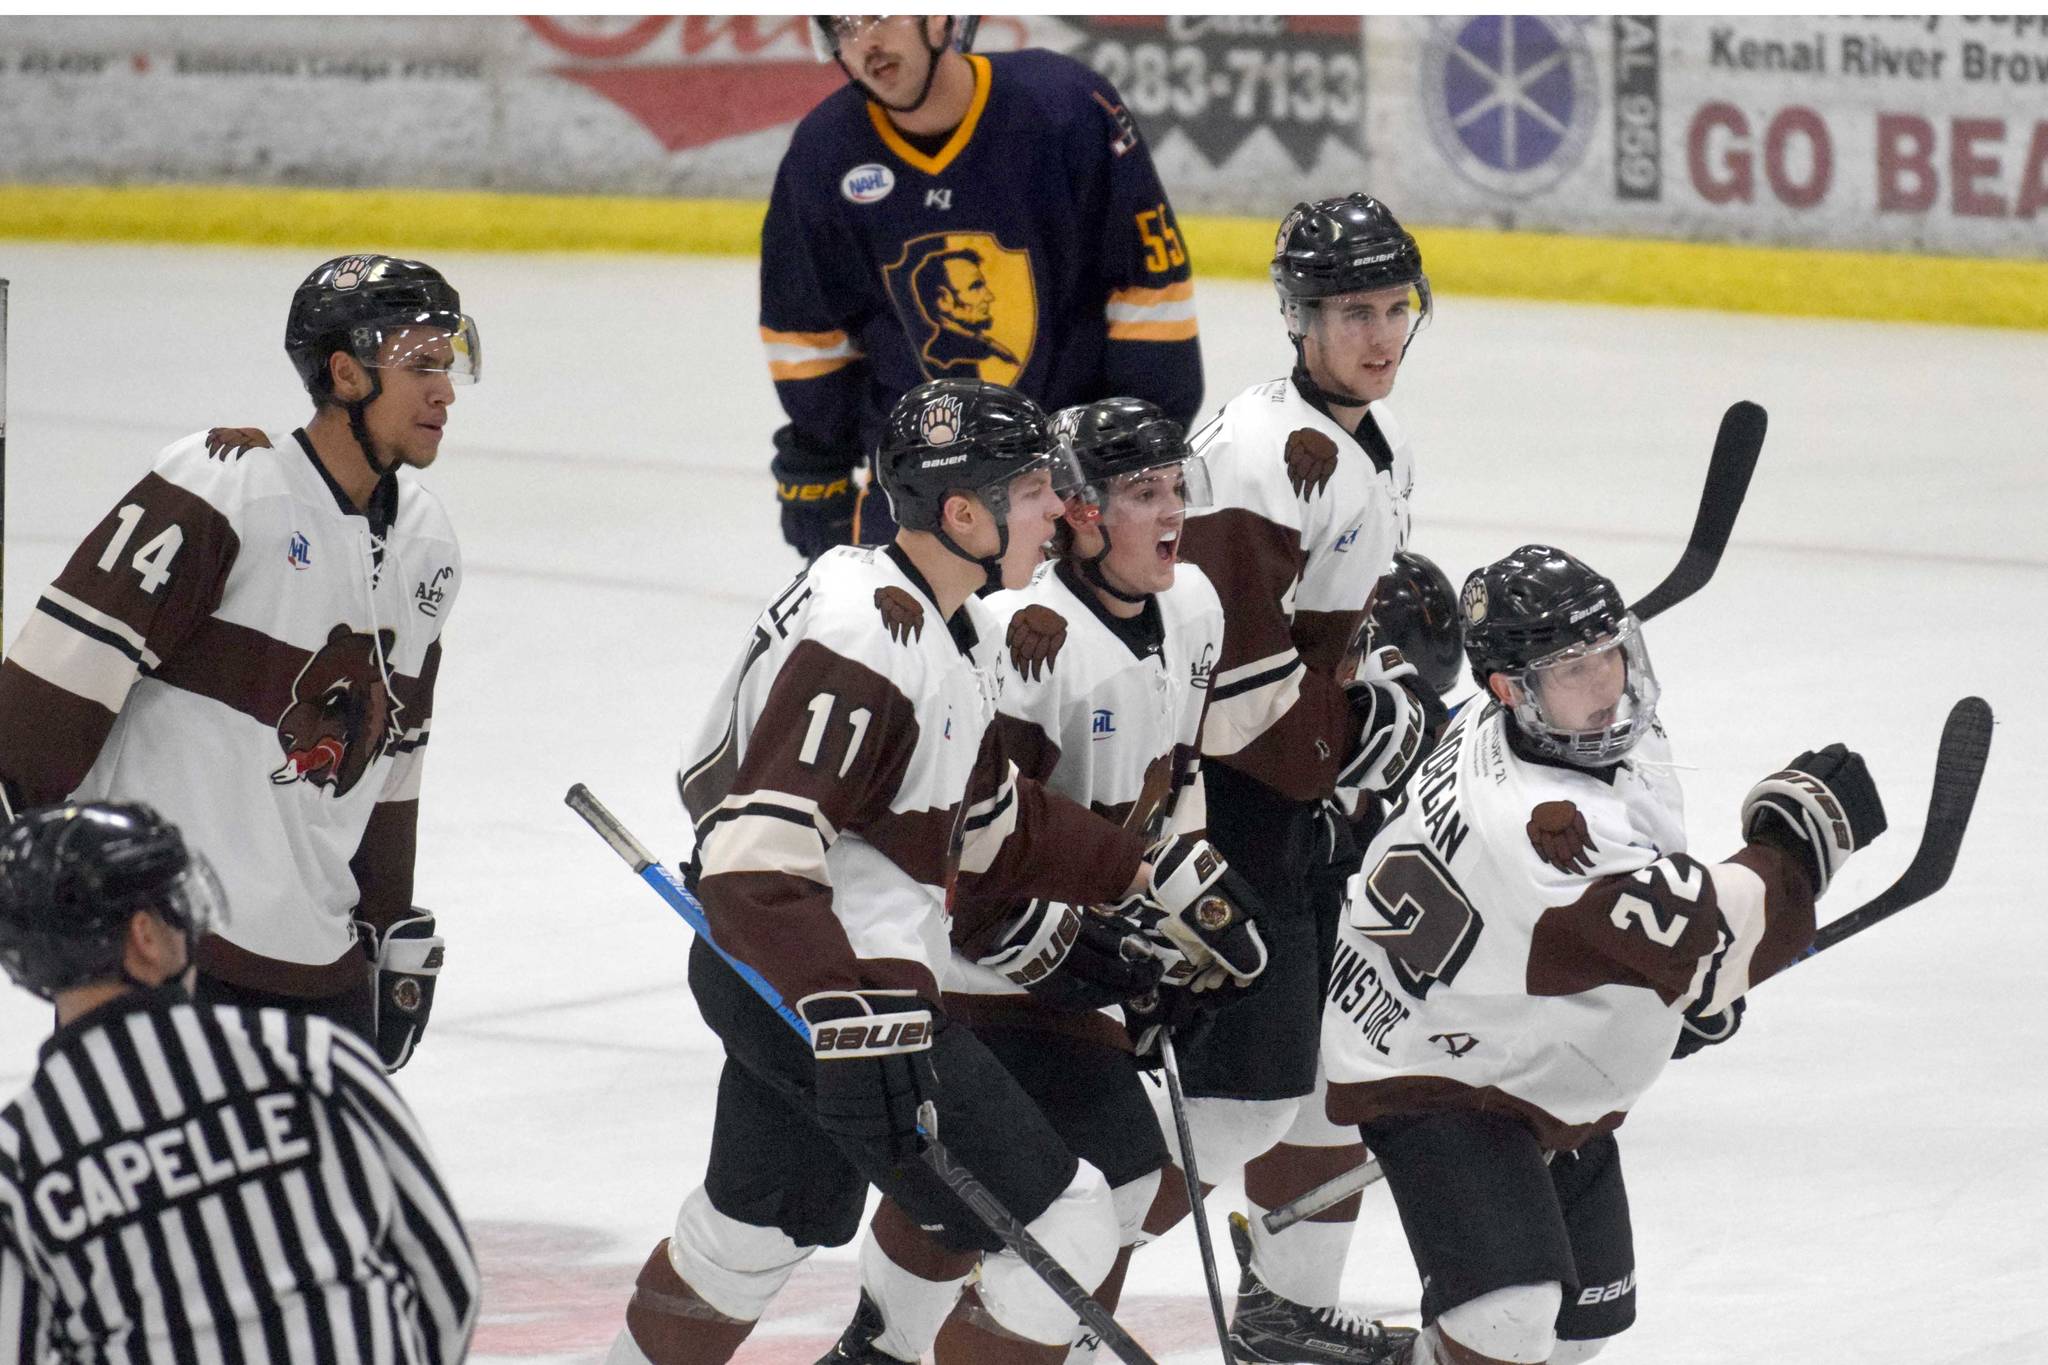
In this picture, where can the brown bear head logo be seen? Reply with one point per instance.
(342, 715)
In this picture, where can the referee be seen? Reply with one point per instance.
(186, 1184)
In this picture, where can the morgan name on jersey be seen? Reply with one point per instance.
(1464, 974)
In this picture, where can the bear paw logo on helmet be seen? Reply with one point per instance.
(349, 273)
(939, 423)
(1473, 602)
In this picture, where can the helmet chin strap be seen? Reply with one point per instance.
(1334, 398)
(991, 565)
(1091, 570)
(360, 428)
(931, 74)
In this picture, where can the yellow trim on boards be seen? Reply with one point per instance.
(1852, 284)
(893, 138)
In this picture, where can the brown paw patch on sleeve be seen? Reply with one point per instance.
(1311, 460)
(901, 613)
(228, 443)
(1558, 834)
(1036, 634)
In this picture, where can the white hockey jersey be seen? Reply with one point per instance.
(841, 781)
(1100, 722)
(1305, 520)
(237, 648)
(1524, 936)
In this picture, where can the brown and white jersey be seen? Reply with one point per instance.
(235, 648)
(1108, 714)
(1304, 522)
(1526, 937)
(841, 785)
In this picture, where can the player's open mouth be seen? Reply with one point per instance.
(1378, 368)
(882, 70)
(1169, 546)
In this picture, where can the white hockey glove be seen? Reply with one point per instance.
(1393, 709)
(1211, 913)
(408, 961)
(1073, 958)
(1820, 808)
(872, 1050)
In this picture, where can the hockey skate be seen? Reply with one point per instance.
(1269, 1328)
(857, 1343)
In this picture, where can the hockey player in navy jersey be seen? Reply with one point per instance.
(954, 215)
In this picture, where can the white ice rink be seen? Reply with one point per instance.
(1861, 1176)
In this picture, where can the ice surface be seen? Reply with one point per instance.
(1862, 1175)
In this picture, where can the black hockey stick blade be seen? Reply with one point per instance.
(1019, 1240)
(1736, 447)
(1958, 768)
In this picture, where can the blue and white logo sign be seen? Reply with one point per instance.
(867, 184)
(1511, 99)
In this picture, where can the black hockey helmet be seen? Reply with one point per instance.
(1538, 610)
(1343, 246)
(951, 436)
(71, 876)
(1415, 610)
(351, 303)
(1113, 440)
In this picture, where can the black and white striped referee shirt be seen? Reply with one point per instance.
(188, 1184)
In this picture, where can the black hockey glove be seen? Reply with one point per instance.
(408, 960)
(874, 1066)
(1820, 808)
(1705, 1030)
(1211, 913)
(1398, 719)
(1073, 958)
(817, 494)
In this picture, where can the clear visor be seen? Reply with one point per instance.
(1361, 315)
(836, 30)
(196, 900)
(425, 347)
(1163, 494)
(1589, 704)
(1054, 475)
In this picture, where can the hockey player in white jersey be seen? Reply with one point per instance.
(844, 799)
(249, 642)
(1312, 476)
(1105, 678)
(1528, 943)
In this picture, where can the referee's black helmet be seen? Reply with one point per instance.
(72, 876)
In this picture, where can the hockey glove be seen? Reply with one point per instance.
(872, 1050)
(1398, 718)
(1072, 958)
(1210, 911)
(408, 960)
(1705, 1030)
(817, 495)
(1820, 808)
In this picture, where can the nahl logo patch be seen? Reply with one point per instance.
(869, 183)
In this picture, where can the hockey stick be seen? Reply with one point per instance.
(957, 1177)
(1736, 447)
(1329, 1194)
(1958, 769)
(1170, 1068)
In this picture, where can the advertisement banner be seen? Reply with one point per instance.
(1923, 133)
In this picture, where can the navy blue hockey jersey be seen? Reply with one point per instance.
(1035, 249)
